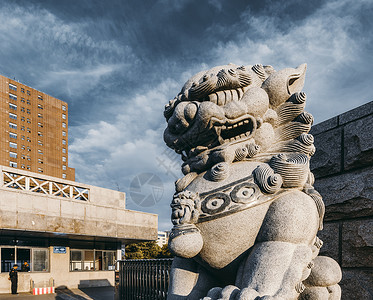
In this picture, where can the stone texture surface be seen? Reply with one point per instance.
(327, 159)
(357, 284)
(357, 113)
(324, 126)
(358, 143)
(245, 198)
(357, 243)
(23, 210)
(330, 237)
(348, 195)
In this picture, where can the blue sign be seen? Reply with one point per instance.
(59, 249)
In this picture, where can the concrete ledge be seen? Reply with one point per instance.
(357, 113)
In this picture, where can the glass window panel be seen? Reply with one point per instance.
(75, 260)
(23, 255)
(109, 260)
(88, 260)
(7, 259)
(40, 260)
(98, 260)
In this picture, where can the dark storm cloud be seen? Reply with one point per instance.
(118, 62)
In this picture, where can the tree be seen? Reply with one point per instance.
(144, 250)
(133, 251)
(165, 252)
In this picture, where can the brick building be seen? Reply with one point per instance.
(33, 130)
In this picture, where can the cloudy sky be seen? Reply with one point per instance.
(118, 62)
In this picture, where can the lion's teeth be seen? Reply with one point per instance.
(235, 95)
(213, 98)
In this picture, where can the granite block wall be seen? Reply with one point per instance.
(343, 168)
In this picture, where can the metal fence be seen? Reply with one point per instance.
(144, 279)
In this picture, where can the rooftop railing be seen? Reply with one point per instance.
(27, 181)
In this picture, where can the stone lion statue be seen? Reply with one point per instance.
(245, 214)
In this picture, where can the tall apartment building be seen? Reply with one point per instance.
(33, 130)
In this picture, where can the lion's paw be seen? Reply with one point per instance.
(228, 293)
(232, 292)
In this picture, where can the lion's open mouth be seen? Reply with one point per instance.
(238, 130)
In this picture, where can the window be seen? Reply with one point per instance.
(23, 128)
(63, 133)
(22, 109)
(63, 124)
(28, 149)
(40, 161)
(63, 167)
(40, 125)
(40, 116)
(63, 150)
(22, 90)
(28, 167)
(13, 145)
(63, 158)
(108, 260)
(13, 154)
(7, 259)
(37, 259)
(13, 164)
(13, 116)
(28, 121)
(12, 87)
(23, 100)
(28, 111)
(23, 157)
(40, 143)
(22, 137)
(28, 139)
(64, 176)
(40, 106)
(23, 119)
(28, 157)
(23, 147)
(28, 102)
(12, 97)
(64, 116)
(40, 133)
(23, 255)
(12, 125)
(90, 260)
(22, 166)
(76, 258)
(40, 97)
(63, 107)
(63, 142)
(40, 152)
(40, 170)
(40, 260)
(12, 106)
(12, 135)
(28, 130)
(28, 93)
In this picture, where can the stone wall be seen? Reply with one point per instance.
(343, 167)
